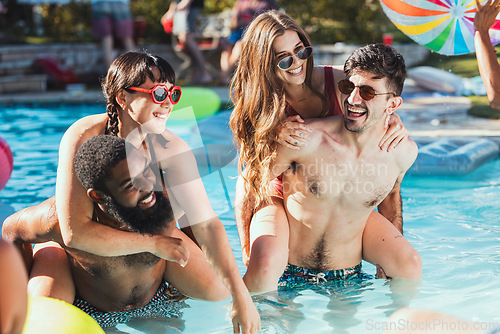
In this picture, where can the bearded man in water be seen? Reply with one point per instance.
(117, 288)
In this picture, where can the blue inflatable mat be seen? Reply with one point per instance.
(453, 156)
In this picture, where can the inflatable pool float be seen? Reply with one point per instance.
(6, 163)
(453, 157)
(437, 80)
(203, 101)
(53, 316)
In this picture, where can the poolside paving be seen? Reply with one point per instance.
(426, 117)
(431, 117)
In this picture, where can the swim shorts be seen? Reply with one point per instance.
(165, 303)
(295, 275)
(111, 17)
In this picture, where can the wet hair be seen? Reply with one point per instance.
(131, 69)
(381, 60)
(259, 97)
(95, 159)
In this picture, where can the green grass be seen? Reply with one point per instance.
(481, 108)
(465, 65)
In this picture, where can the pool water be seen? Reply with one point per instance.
(453, 222)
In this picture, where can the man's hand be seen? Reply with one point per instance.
(245, 315)
(170, 249)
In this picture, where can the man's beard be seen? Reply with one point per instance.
(152, 222)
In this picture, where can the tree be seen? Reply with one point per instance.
(331, 21)
(326, 21)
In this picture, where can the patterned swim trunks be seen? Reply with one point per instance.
(165, 303)
(295, 275)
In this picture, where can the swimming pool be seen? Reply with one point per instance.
(453, 222)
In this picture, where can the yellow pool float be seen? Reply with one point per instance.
(53, 316)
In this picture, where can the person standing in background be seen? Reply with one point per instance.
(184, 14)
(112, 18)
(242, 14)
(485, 52)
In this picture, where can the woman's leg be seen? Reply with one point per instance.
(264, 239)
(50, 274)
(384, 246)
(197, 279)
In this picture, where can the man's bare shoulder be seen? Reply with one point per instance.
(325, 130)
(331, 125)
(324, 122)
(406, 153)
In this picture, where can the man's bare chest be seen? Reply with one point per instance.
(358, 184)
(108, 267)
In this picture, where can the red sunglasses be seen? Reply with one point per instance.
(159, 93)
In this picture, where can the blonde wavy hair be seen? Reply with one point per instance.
(259, 100)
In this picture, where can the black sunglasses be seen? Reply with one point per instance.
(367, 93)
(303, 54)
(159, 93)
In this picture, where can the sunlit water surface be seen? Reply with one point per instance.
(453, 222)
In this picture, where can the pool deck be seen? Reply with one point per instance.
(427, 118)
(432, 117)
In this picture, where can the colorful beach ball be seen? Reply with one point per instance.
(444, 26)
(6, 163)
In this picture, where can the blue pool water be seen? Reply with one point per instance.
(453, 222)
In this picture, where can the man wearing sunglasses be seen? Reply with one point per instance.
(334, 182)
(116, 289)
